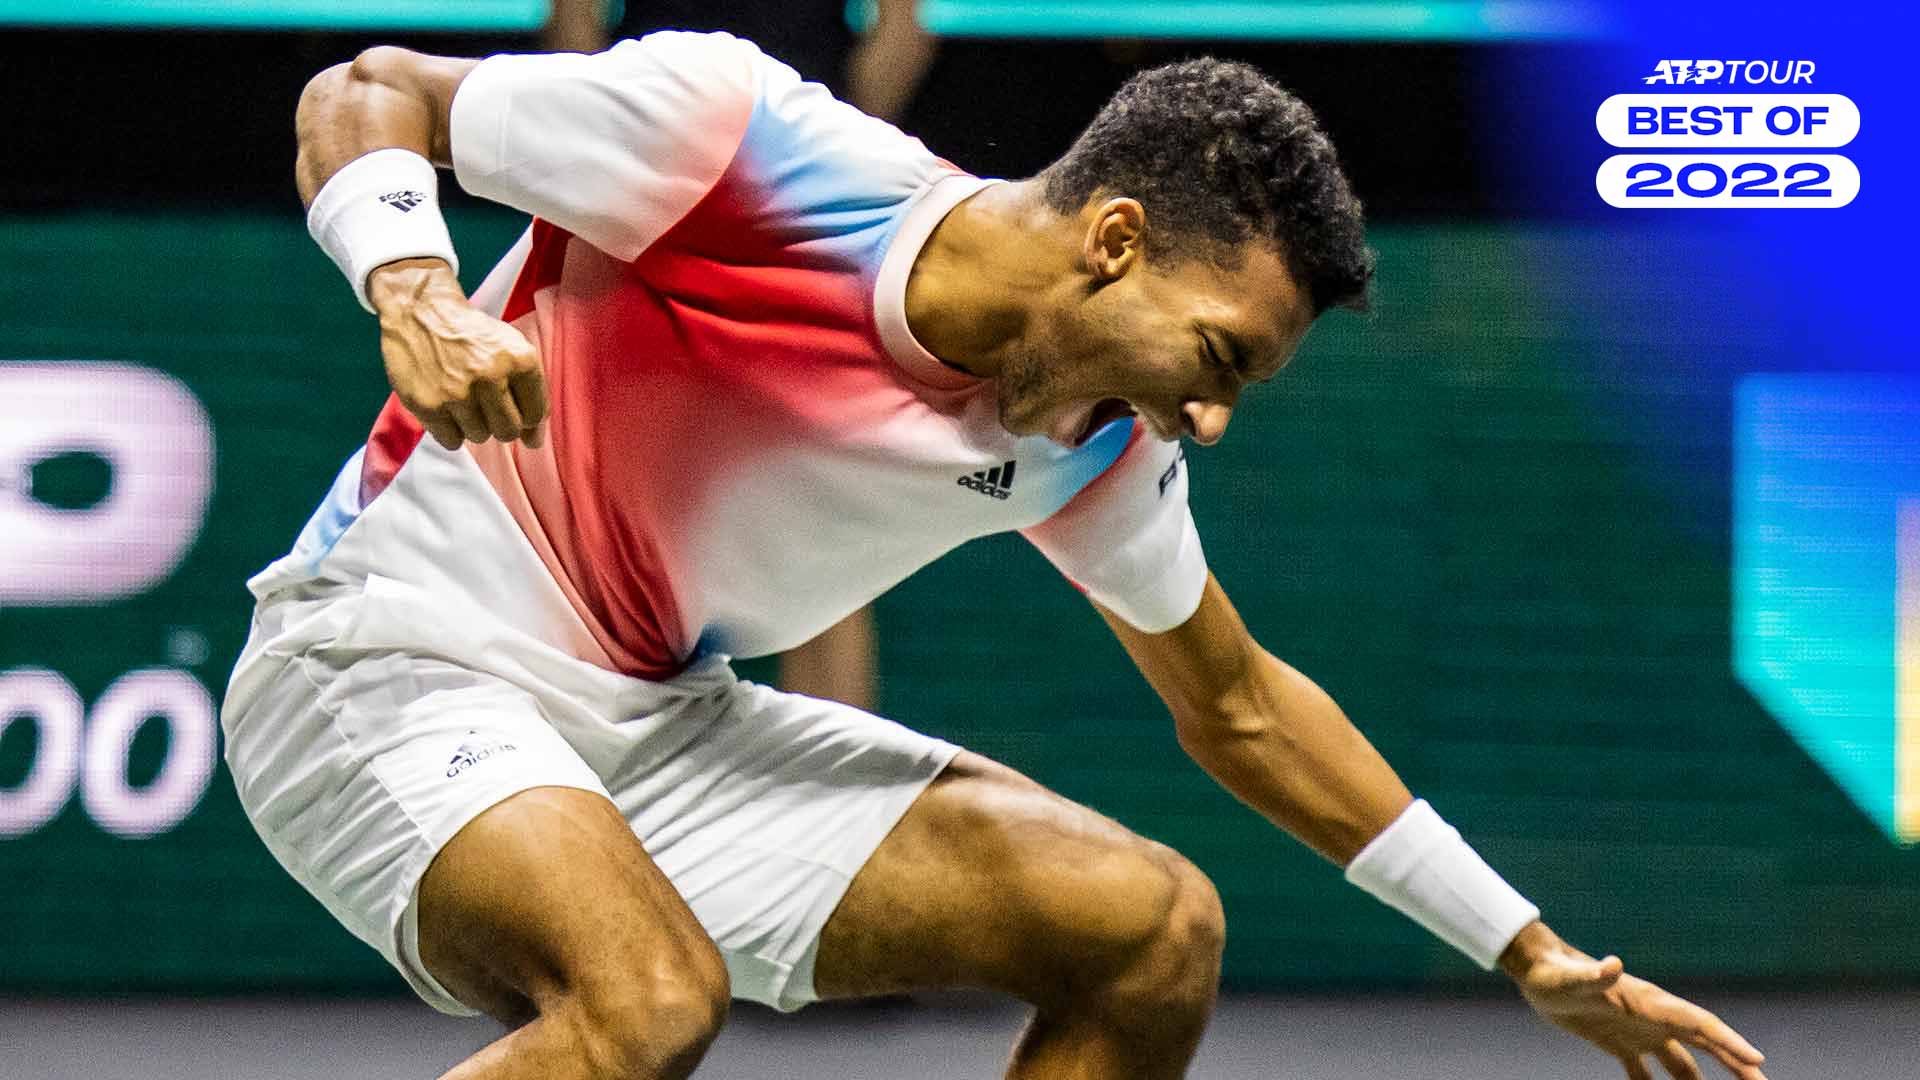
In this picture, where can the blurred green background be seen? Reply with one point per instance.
(1454, 513)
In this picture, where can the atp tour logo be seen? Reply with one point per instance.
(1826, 586)
(146, 447)
(1758, 139)
(1750, 72)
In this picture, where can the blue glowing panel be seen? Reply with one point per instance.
(1826, 566)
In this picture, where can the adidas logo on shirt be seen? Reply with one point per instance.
(473, 753)
(1173, 468)
(997, 481)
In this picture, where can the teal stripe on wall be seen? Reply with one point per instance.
(285, 14)
(1357, 20)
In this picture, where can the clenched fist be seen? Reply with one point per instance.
(465, 374)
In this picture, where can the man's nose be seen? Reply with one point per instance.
(1206, 421)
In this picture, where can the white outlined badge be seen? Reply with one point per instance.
(1721, 181)
(1713, 121)
(158, 444)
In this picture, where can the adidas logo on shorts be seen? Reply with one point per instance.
(473, 753)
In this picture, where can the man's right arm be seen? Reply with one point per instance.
(613, 148)
(387, 97)
(464, 374)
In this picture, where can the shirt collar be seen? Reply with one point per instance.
(930, 207)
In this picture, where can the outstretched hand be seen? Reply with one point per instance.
(1629, 1018)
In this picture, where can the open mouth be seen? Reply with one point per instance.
(1104, 412)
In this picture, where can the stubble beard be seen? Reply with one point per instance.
(1026, 384)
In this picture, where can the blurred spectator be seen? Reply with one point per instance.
(891, 60)
(879, 71)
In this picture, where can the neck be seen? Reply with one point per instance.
(974, 286)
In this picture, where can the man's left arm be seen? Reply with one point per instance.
(1282, 746)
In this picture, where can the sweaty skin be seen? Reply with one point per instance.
(546, 911)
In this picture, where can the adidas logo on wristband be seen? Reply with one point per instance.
(404, 201)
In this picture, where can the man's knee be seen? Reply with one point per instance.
(651, 1024)
(1196, 923)
(1173, 971)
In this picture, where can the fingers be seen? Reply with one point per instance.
(529, 390)
(1583, 975)
(1596, 976)
(467, 415)
(1636, 1069)
(1743, 1063)
(498, 410)
(1677, 1061)
(441, 427)
(1690, 1023)
(488, 413)
(1713, 1035)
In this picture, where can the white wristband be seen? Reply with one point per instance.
(380, 208)
(1420, 867)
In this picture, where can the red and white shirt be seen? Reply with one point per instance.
(746, 443)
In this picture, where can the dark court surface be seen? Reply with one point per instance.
(1835, 1036)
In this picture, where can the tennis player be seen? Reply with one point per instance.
(758, 358)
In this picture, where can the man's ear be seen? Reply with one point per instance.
(1115, 239)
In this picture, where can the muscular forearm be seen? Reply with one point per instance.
(1286, 749)
(364, 129)
(387, 97)
(1276, 740)
(1281, 745)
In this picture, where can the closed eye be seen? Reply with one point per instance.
(1219, 362)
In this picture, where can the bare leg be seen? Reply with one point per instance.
(546, 913)
(837, 665)
(992, 881)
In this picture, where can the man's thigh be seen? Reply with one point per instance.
(548, 896)
(765, 818)
(358, 767)
(991, 881)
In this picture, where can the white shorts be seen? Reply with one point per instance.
(361, 742)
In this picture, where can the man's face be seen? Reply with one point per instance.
(1175, 347)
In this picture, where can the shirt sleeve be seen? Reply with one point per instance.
(1127, 539)
(614, 147)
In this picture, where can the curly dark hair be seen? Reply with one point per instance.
(1218, 153)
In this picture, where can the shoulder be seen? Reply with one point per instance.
(666, 74)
